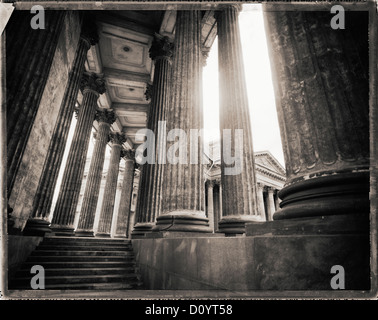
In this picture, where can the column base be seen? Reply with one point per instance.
(63, 231)
(330, 194)
(183, 221)
(83, 233)
(140, 229)
(234, 225)
(36, 227)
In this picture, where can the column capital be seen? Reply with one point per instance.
(92, 82)
(128, 154)
(161, 48)
(117, 138)
(106, 116)
(269, 189)
(211, 183)
(260, 185)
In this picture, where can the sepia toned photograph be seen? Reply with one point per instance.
(189, 150)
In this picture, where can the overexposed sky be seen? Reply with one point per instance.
(264, 121)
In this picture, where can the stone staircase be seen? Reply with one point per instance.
(73, 263)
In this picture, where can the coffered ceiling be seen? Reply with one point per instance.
(122, 57)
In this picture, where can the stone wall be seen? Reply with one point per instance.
(252, 263)
(21, 199)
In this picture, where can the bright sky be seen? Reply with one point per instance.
(264, 122)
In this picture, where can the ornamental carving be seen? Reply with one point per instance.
(128, 154)
(91, 81)
(149, 90)
(117, 138)
(107, 116)
(161, 47)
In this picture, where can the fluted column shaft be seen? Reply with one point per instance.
(271, 204)
(260, 201)
(27, 74)
(322, 93)
(149, 202)
(183, 185)
(64, 213)
(126, 194)
(44, 195)
(239, 189)
(210, 204)
(92, 188)
(107, 208)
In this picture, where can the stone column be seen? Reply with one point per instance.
(183, 187)
(149, 202)
(126, 194)
(260, 201)
(322, 94)
(270, 202)
(64, 214)
(29, 58)
(210, 203)
(92, 188)
(106, 215)
(239, 187)
(37, 224)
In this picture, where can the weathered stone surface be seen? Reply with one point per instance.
(27, 75)
(305, 262)
(321, 85)
(239, 190)
(26, 183)
(281, 263)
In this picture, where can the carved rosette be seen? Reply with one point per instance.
(161, 48)
(92, 82)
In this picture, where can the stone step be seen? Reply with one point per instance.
(85, 240)
(87, 286)
(80, 253)
(25, 273)
(81, 264)
(44, 247)
(41, 259)
(73, 279)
